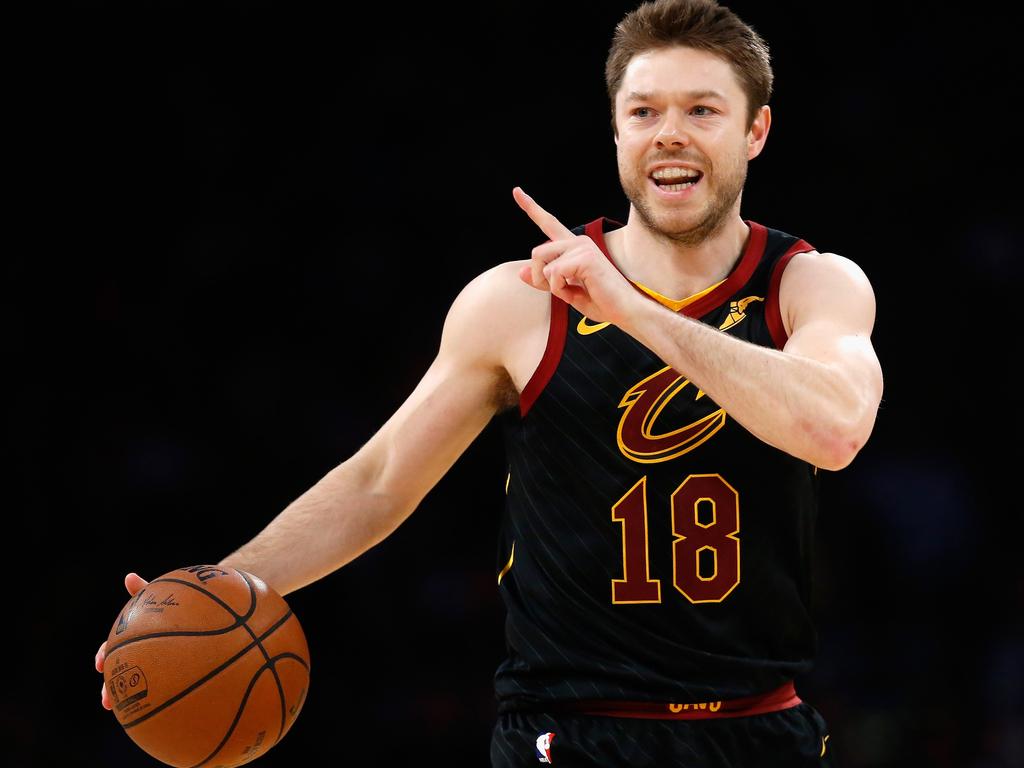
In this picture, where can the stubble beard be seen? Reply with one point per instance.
(712, 218)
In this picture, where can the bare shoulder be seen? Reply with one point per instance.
(499, 302)
(813, 265)
(501, 283)
(815, 281)
(499, 321)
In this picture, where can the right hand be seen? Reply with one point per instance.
(575, 270)
(133, 583)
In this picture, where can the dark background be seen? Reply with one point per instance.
(240, 227)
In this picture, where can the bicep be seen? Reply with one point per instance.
(830, 306)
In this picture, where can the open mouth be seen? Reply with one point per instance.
(676, 179)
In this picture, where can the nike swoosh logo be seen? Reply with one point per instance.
(583, 329)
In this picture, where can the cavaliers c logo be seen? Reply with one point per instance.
(643, 403)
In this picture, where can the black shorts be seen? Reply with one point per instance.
(789, 738)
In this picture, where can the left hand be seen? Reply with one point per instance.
(574, 269)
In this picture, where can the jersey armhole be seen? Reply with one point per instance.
(552, 354)
(772, 310)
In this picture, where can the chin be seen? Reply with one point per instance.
(674, 221)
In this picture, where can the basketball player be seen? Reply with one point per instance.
(670, 390)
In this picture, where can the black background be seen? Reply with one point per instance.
(240, 226)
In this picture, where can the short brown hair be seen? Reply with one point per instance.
(701, 24)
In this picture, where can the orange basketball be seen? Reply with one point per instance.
(206, 666)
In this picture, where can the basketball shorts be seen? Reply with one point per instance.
(795, 737)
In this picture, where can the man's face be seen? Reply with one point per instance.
(666, 115)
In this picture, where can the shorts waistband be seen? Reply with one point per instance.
(782, 697)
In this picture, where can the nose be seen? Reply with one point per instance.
(671, 133)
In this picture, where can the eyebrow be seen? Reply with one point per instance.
(704, 94)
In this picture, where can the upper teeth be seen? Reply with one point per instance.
(675, 173)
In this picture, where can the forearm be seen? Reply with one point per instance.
(330, 525)
(802, 406)
(362, 501)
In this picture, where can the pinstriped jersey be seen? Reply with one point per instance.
(651, 548)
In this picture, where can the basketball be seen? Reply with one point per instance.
(206, 666)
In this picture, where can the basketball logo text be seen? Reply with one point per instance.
(129, 611)
(205, 572)
(127, 689)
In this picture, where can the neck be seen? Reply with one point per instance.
(675, 269)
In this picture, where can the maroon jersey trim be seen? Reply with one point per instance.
(552, 355)
(556, 338)
(737, 278)
(772, 311)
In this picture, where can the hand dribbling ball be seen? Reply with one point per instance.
(206, 666)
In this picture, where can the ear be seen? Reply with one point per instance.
(758, 133)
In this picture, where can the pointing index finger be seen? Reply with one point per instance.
(547, 222)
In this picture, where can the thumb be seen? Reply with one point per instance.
(133, 583)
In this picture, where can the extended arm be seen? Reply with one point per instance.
(364, 499)
(815, 399)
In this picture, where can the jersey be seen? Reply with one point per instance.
(651, 548)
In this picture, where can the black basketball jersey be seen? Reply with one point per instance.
(652, 548)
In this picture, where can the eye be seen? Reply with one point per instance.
(710, 111)
(636, 111)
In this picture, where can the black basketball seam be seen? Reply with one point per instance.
(234, 723)
(181, 633)
(240, 619)
(252, 683)
(266, 657)
(284, 704)
(252, 595)
(241, 707)
(276, 659)
(212, 673)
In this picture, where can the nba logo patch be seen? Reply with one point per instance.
(544, 747)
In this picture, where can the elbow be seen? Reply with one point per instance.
(838, 455)
(836, 445)
(841, 429)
